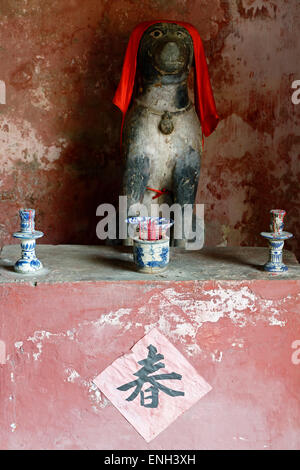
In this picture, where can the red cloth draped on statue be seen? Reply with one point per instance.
(204, 99)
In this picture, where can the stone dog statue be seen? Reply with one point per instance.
(162, 133)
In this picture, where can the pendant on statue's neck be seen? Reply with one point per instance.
(166, 125)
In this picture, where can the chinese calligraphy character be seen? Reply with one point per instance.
(149, 365)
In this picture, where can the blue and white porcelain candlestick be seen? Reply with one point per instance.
(276, 239)
(28, 263)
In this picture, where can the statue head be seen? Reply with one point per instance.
(165, 53)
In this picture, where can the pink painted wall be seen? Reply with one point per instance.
(59, 131)
(241, 337)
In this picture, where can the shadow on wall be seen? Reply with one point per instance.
(91, 164)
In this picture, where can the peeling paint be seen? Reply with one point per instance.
(237, 334)
(99, 400)
(113, 318)
(13, 427)
(217, 356)
(38, 338)
(257, 8)
(59, 131)
(20, 143)
(40, 100)
(238, 344)
(72, 374)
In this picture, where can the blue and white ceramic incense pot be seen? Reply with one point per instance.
(28, 263)
(151, 245)
(276, 239)
(151, 256)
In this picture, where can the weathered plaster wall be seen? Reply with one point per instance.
(240, 336)
(59, 131)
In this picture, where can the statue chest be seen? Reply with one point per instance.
(162, 136)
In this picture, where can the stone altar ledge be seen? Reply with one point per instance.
(77, 263)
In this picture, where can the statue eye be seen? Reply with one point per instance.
(156, 34)
(180, 34)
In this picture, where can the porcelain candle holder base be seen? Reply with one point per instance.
(28, 263)
(275, 263)
(151, 256)
(276, 240)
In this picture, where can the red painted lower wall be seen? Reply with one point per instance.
(238, 335)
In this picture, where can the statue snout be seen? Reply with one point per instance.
(170, 58)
